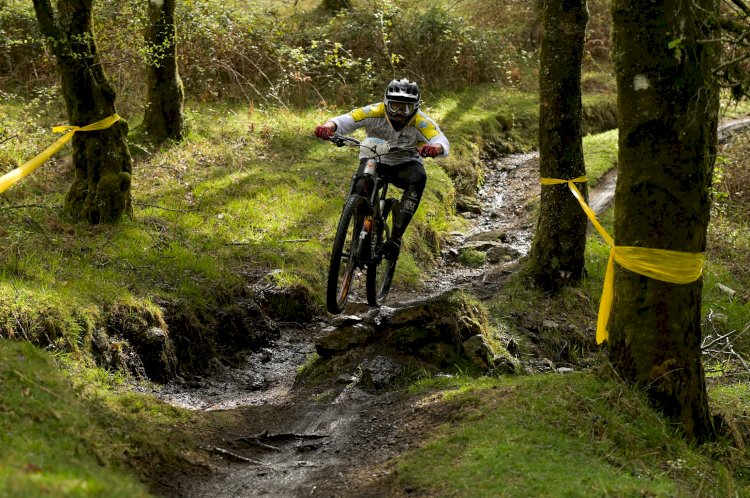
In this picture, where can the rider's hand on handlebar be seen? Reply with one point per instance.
(324, 132)
(428, 150)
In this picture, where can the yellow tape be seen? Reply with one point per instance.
(660, 264)
(11, 178)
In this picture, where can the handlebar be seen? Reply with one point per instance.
(374, 146)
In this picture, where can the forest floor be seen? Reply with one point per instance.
(334, 439)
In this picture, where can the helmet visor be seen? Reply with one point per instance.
(402, 108)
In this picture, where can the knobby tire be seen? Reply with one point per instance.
(344, 262)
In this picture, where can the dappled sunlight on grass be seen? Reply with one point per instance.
(555, 435)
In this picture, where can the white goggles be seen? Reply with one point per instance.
(401, 107)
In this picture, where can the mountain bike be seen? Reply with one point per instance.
(365, 225)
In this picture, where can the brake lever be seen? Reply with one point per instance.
(340, 142)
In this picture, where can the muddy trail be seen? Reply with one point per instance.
(336, 439)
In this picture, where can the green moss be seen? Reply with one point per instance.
(63, 436)
(527, 429)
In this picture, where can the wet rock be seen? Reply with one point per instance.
(380, 372)
(490, 235)
(498, 274)
(542, 365)
(426, 335)
(157, 353)
(266, 355)
(340, 339)
(253, 381)
(504, 365)
(344, 320)
(405, 338)
(451, 314)
(478, 351)
(346, 379)
(466, 204)
(502, 253)
(440, 354)
(480, 245)
(512, 347)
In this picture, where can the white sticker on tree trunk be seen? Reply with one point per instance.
(640, 82)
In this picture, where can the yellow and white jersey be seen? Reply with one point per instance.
(421, 130)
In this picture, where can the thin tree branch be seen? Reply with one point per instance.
(742, 6)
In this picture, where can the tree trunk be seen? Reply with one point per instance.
(101, 189)
(163, 118)
(667, 106)
(556, 257)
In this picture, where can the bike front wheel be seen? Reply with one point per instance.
(344, 258)
(380, 271)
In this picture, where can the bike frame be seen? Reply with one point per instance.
(369, 229)
(375, 204)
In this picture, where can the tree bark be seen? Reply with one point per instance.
(164, 118)
(101, 189)
(668, 112)
(557, 252)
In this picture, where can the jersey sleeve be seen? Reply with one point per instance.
(431, 132)
(347, 123)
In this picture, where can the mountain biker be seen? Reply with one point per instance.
(399, 121)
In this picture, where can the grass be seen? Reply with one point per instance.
(579, 435)
(64, 433)
(600, 155)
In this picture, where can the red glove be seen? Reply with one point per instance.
(323, 132)
(428, 150)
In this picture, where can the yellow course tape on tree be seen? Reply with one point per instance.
(10, 178)
(674, 267)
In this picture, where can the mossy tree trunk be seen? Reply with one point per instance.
(101, 189)
(667, 106)
(164, 118)
(556, 257)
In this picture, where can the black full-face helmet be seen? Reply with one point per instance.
(401, 102)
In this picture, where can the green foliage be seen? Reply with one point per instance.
(24, 64)
(228, 51)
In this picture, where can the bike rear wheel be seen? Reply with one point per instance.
(344, 258)
(380, 271)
